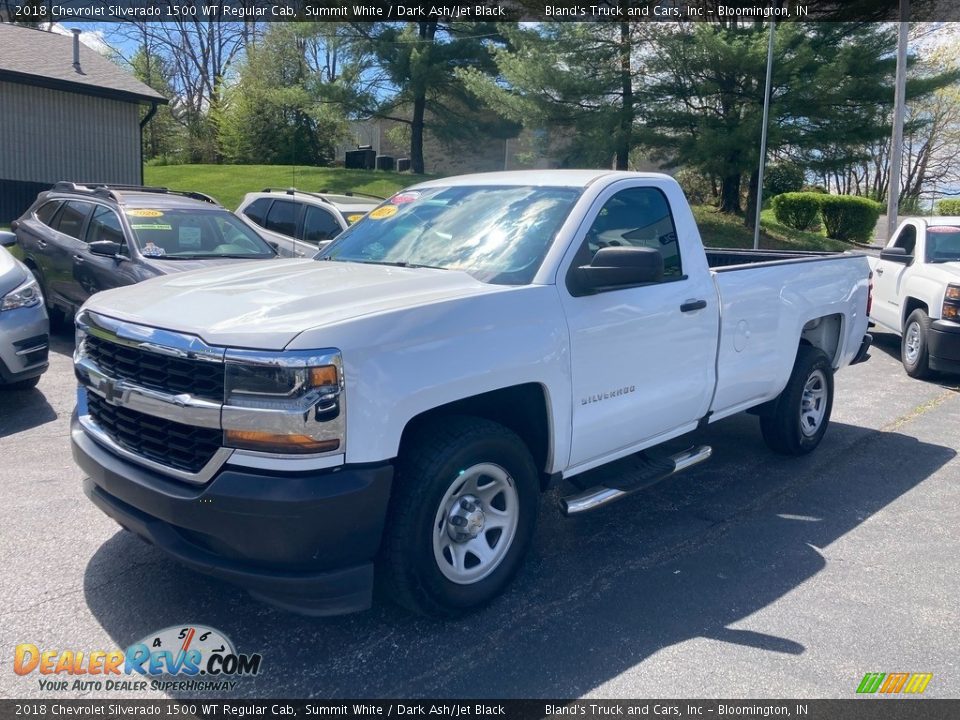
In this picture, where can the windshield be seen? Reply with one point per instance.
(943, 243)
(497, 234)
(188, 234)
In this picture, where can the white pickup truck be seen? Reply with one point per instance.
(917, 287)
(400, 401)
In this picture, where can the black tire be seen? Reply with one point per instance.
(785, 430)
(916, 362)
(431, 462)
(27, 384)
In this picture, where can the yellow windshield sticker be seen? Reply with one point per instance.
(383, 212)
(351, 219)
(138, 212)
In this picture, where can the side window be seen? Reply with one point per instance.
(637, 217)
(46, 211)
(907, 239)
(282, 217)
(319, 225)
(257, 211)
(70, 219)
(104, 225)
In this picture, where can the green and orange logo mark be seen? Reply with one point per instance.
(892, 683)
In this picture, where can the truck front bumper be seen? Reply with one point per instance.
(944, 346)
(304, 542)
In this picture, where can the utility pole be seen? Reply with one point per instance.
(899, 109)
(763, 136)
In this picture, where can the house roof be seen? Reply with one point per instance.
(45, 59)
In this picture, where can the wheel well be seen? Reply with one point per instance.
(909, 305)
(522, 408)
(824, 333)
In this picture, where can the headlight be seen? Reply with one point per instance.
(284, 402)
(26, 295)
(951, 303)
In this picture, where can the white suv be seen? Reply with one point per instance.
(298, 223)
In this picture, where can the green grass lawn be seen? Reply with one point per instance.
(719, 230)
(229, 183)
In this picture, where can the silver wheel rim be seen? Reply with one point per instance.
(813, 404)
(475, 523)
(911, 343)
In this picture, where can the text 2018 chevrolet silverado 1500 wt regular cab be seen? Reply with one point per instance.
(400, 401)
(917, 278)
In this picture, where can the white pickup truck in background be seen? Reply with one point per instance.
(917, 293)
(400, 401)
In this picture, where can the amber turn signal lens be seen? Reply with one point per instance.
(325, 376)
(953, 292)
(272, 442)
(951, 312)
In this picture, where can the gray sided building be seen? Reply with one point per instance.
(68, 114)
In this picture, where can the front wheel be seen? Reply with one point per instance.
(915, 348)
(462, 515)
(801, 413)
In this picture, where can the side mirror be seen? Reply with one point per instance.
(897, 255)
(7, 239)
(617, 267)
(106, 248)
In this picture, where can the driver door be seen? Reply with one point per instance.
(888, 277)
(643, 358)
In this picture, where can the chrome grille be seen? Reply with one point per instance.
(152, 370)
(183, 447)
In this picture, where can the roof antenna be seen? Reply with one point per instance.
(76, 49)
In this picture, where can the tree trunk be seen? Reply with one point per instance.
(427, 31)
(625, 133)
(752, 198)
(730, 194)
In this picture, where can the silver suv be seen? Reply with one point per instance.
(298, 223)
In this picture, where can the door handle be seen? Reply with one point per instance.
(879, 271)
(691, 305)
(79, 258)
(42, 243)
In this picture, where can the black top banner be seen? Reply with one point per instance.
(720, 11)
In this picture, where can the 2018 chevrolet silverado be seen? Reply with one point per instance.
(917, 279)
(398, 403)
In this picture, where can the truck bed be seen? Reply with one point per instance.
(727, 259)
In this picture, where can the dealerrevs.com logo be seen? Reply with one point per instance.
(202, 658)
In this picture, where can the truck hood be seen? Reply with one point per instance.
(166, 267)
(265, 305)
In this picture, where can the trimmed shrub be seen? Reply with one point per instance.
(798, 210)
(948, 207)
(849, 218)
(783, 177)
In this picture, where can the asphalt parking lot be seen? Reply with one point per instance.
(751, 575)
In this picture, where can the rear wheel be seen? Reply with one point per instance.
(915, 349)
(462, 515)
(801, 413)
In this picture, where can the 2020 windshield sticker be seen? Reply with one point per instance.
(144, 213)
(383, 212)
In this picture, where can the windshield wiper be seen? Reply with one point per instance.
(389, 263)
(207, 256)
